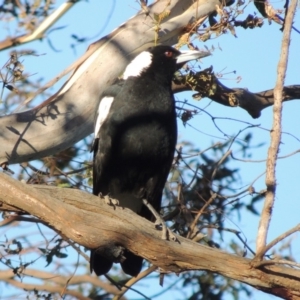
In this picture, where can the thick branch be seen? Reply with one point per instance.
(86, 220)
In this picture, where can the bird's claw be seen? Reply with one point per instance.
(167, 234)
(111, 201)
(172, 236)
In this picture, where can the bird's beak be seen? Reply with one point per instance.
(187, 55)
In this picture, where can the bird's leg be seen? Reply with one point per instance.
(108, 200)
(167, 234)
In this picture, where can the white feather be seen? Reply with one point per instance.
(103, 110)
(138, 64)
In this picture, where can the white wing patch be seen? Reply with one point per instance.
(138, 64)
(103, 111)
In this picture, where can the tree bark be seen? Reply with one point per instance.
(86, 220)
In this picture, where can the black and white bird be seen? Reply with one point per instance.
(135, 139)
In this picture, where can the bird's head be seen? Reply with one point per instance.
(164, 60)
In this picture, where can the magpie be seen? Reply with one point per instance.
(135, 139)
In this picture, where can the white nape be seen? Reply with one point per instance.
(103, 110)
(138, 64)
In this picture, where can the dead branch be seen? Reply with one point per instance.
(86, 220)
(39, 31)
(206, 84)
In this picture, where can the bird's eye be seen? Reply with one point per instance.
(168, 53)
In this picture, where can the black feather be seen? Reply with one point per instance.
(134, 148)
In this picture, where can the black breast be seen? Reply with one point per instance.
(137, 141)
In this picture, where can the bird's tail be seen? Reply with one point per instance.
(99, 264)
(132, 265)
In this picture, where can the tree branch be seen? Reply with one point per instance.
(266, 214)
(38, 33)
(58, 281)
(206, 84)
(86, 220)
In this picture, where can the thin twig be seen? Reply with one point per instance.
(276, 261)
(63, 292)
(17, 218)
(60, 173)
(257, 263)
(42, 234)
(133, 280)
(263, 160)
(198, 153)
(192, 227)
(77, 249)
(275, 136)
(219, 164)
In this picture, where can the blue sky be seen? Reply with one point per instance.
(253, 55)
